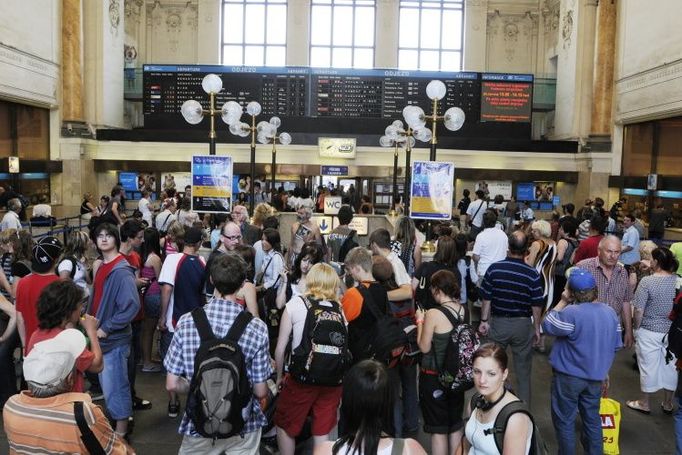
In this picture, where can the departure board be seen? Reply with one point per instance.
(308, 98)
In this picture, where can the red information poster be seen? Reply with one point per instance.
(506, 98)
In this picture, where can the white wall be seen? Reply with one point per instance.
(648, 61)
(30, 34)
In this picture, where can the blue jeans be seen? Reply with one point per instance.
(405, 416)
(570, 395)
(678, 427)
(115, 385)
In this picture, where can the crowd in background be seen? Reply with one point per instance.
(592, 280)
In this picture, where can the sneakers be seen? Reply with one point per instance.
(153, 368)
(173, 409)
(140, 404)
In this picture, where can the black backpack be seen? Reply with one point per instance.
(347, 245)
(390, 341)
(322, 357)
(472, 289)
(674, 348)
(457, 371)
(405, 313)
(220, 388)
(538, 446)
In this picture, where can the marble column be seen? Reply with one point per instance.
(72, 80)
(605, 54)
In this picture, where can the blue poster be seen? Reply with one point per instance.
(432, 190)
(211, 183)
(128, 180)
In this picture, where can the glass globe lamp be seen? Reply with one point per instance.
(192, 112)
(212, 84)
(436, 90)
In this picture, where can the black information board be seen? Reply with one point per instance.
(312, 100)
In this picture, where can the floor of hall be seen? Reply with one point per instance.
(156, 433)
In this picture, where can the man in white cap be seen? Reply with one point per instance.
(28, 417)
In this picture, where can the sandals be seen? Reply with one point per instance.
(636, 406)
(668, 411)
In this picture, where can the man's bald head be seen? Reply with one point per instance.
(609, 251)
(518, 243)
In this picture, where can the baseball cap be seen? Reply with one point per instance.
(193, 235)
(580, 279)
(44, 253)
(50, 361)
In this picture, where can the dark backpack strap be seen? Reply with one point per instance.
(364, 292)
(87, 436)
(262, 274)
(398, 445)
(451, 317)
(203, 327)
(238, 326)
(502, 419)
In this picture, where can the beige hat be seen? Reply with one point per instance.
(50, 361)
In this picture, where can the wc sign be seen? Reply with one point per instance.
(332, 204)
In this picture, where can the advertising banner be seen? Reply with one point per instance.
(431, 190)
(211, 183)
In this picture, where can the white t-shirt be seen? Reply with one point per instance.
(143, 207)
(473, 209)
(483, 443)
(167, 276)
(491, 246)
(10, 221)
(164, 219)
(271, 270)
(401, 276)
(79, 278)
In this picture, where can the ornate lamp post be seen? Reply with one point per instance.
(232, 114)
(193, 112)
(453, 119)
(267, 133)
(396, 134)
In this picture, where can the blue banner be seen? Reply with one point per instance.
(211, 183)
(432, 190)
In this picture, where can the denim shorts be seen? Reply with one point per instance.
(115, 385)
(152, 306)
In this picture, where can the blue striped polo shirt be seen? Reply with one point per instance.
(512, 287)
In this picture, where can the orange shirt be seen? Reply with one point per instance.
(351, 302)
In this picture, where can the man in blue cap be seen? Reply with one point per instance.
(588, 335)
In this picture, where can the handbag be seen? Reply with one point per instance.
(609, 411)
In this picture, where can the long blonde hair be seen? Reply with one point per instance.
(322, 282)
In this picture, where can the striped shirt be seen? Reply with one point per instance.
(48, 426)
(615, 291)
(512, 287)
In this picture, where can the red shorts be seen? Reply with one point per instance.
(297, 400)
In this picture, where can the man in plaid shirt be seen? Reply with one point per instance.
(228, 272)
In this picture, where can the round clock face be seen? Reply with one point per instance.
(337, 147)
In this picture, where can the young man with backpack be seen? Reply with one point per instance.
(177, 301)
(342, 238)
(243, 359)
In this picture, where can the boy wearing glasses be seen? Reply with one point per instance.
(115, 302)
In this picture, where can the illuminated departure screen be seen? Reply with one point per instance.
(506, 97)
(355, 101)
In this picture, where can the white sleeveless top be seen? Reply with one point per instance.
(347, 450)
(482, 443)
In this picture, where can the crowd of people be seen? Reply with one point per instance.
(274, 345)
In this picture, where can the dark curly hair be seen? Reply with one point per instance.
(57, 302)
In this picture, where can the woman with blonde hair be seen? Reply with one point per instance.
(88, 209)
(542, 255)
(311, 385)
(173, 241)
(73, 264)
(260, 213)
(406, 245)
(640, 269)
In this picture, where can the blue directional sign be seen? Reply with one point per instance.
(334, 170)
